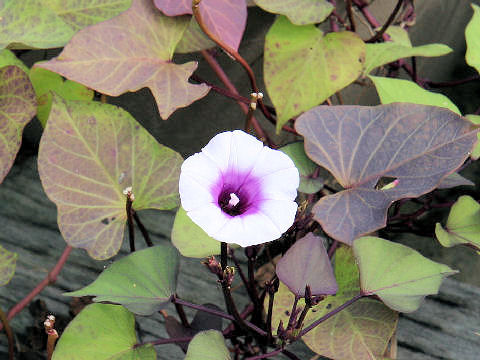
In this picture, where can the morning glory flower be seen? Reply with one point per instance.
(238, 190)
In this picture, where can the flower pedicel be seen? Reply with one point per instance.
(238, 190)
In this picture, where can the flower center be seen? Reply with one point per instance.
(233, 203)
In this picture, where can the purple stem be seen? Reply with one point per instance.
(329, 315)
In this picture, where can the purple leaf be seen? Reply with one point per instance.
(129, 52)
(224, 18)
(416, 144)
(307, 263)
(17, 108)
(454, 180)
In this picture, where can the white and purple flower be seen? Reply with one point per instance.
(238, 190)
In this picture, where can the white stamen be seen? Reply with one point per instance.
(234, 200)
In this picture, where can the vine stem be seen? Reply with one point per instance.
(131, 231)
(265, 356)
(329, 315)
(49, 279)
(9, 332)
(219, 314)
(389, 21)
(212, 62)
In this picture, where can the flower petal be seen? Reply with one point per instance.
(210, 218)
(234, 151)
(279, 212)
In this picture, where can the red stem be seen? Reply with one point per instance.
(9, 332)
(49, 279)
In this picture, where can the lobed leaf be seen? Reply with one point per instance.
(17, 108)
(398, 90)
(49, 24)
(475, 119)
(8, 262)
(463, 224)
(208, 345)
(45, 81)
(307, 263)
(361, 145)
(454, 180)
(305, 166)
(193, 39)
(360, 331)
(397, 274)
(472, 56)
(226, 19)
(384, 53)
(399, 35)
(143, 281)
(190, 239)
(102, 332)
(299, 12)
(303, 67)
(122, 55)
(89, 153)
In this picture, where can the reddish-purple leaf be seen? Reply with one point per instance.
(307, 263)
(416, 144)
(129, 52)
(17, 108)
(224, 18)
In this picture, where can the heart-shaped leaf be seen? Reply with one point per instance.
(124, 56)
(44, 81)
(359, 332)
(360, 145)
(8, 58)
(143, 281)
(387, 52)
(303, 67)
(472, 56)
(463, 224)
(226, 19)
(89, 153)
(17, 108)
(306, 167)
(190, 239)
(398, 35)
(454, 180)
(208, 345)
(102, 332)
(8, 261)
(307, 263)
(397, 274)
(398, 90)
(300, 12)
(48, 24)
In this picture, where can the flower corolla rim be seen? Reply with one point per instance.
(238, 190)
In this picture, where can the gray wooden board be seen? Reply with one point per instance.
(445, 327)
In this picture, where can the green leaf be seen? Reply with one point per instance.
(193, 39)
(208, 345)
(303, 67)
(463, 224)
(8, 261)
(48, 24)
(397, 274)
(102, 332)
(475, 119)
(399, 35)
(299, 12)
(305, 166)
(17, 108)
(190, 239)
(472, 56)
(45, 81)
(8, 58)
(143, 281)
(89, 153)
(359, 332)
(397, 90)
(385, 53)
